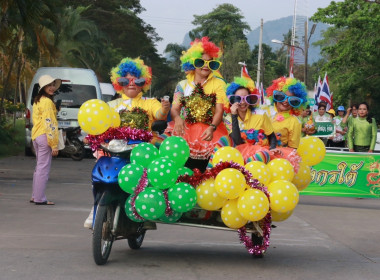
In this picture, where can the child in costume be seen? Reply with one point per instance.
(250, 130)
(288, 95)
(197, 108)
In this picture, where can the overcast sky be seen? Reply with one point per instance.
(172, 18)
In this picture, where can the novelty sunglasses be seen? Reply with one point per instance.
(293, 101)
(213, 65)
(251, 99)
(123, 81)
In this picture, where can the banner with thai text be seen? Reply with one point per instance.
(347, 175)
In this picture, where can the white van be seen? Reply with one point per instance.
(108, 92)
(78, 86)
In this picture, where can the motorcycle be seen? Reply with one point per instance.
(110, 222)
(73, 146)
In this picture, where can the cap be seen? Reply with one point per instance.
(341, 108)
(331, 111)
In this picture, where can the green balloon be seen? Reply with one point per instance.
(129, 176)
(162, 173)
(144, 154)
(129, 211)
(175, 148)
(182, 197)
(150, 204)
(184, 171)
(172, 218)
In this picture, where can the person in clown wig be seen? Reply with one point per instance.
(250, 129)
(289, 97)
(131, 78)
(197, 109)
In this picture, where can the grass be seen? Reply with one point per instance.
(14, 145)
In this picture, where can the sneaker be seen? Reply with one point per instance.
(88, 222)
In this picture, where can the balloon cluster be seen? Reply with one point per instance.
(151, 179)
(239, 202)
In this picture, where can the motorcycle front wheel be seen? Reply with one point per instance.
(81, 151)
(102, 237)
(136, 241)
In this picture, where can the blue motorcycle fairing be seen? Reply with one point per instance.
(130, 142)
(106, 169)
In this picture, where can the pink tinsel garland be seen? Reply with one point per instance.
(125, 133)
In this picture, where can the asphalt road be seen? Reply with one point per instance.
(325, 238)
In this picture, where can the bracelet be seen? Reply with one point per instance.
(213, 126)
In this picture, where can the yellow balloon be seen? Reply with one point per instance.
(312, 150)
(279, 217)
(281, 169)
(230, 183)
(259, 171)
(115, 118)
(227, 154)
(303, 178)
(230, 215)
(253, 205)
(94, 116)
(284, 196)
(207, 197)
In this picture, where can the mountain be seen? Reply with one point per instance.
(275, 29)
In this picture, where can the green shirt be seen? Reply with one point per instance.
(362, 133)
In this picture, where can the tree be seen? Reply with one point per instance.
(224, 25)
(352, 49)
(239, 52)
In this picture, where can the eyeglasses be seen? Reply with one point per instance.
(123, 81)
(251, 99)
(293, 101)
(213, 65)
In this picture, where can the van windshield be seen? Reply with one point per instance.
(70, 95)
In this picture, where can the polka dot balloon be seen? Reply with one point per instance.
(259, 171)
(281, 169)
(227, 154)
(303, 178)
(129, 176)
(144, 154)
(173, 218)
(175, 148)
(279, 217)
(253, 205)
(115, 118)
(231, 216)
(312, 150)
(207, 196)
(230, 183)
(184, 171)
(162, 173)
(284, 196)
(150, 204)
(94, 116)
(182, 197)
(129, 211)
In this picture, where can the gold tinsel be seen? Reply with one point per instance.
(199, 108)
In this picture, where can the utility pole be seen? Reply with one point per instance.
(260, 54)
(306, 51)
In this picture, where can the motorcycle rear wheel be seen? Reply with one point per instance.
(102, 238)
(81, 151)
(135, 242)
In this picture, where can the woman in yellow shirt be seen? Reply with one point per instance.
(44, 136)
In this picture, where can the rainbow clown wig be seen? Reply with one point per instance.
(197, 49)
(134, 67)
(241, 82)
(288, 84)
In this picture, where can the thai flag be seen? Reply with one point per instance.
(325, 94)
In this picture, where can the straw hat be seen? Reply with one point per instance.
(47, 79)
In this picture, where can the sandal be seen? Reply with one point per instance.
(44, 203)
(31, 201)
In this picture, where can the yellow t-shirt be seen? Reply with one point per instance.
(45, 121)
(213, 84)
(290, 129)
(151, 105)
(251, 121)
